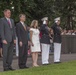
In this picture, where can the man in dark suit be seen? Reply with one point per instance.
(7, 31)
(22, 34)
(57, 40)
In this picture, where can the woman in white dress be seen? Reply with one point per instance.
(35, 42)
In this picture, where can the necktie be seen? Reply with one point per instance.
(10, 23)
(24, 26)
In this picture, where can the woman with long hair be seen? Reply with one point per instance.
(35, 42)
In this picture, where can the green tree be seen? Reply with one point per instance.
(37, 9)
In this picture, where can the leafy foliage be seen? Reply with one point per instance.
(36, 9)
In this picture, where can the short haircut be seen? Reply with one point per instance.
(22, 15)
(6, 10)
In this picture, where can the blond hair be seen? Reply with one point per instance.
(33, 23)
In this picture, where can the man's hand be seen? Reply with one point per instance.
(32, 44)
(29, 43)
(4, 42)
(20, 43)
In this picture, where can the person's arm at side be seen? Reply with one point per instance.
(31, 33)
(2, 32)
(28, 33)
(14, 33)
(18, 34)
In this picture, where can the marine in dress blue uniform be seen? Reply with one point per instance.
(45, 41)
(57, 40)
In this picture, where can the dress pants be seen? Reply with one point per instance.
(23, 53)
(7, 55)
(57, 52)
(45, 53)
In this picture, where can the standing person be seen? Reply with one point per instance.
(34, 37)
(57, 40)
(7, 30)
(22, 34)
(45, 41)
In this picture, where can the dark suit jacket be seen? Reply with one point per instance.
(6, 32)
(22, 34)
(57, 33)
(45, 34)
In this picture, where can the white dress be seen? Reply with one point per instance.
(35, 40)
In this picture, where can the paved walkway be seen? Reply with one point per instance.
(64, 58)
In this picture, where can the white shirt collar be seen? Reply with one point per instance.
(22, 22)
(7, 18)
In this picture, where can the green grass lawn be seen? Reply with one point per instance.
(67, 68)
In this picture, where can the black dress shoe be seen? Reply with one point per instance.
(21, 67)
(11, 69)
(57, 62)
(26, 67)
(6, 69)
(45, 64)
